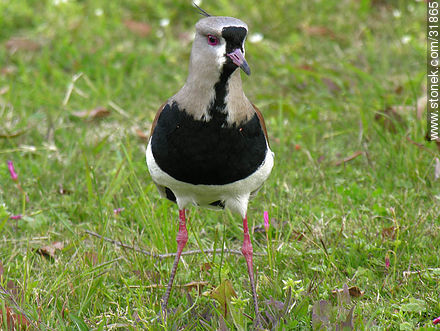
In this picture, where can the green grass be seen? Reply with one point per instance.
(322, 71)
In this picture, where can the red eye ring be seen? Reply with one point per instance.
(212, 40)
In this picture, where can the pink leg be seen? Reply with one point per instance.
(247, 252)
(182, 238)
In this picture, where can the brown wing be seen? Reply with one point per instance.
(263, 125)
(153, 125)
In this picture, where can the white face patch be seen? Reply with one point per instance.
(220, 51)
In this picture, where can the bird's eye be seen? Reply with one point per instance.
(212, 40)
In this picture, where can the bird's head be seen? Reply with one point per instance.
(219, 43)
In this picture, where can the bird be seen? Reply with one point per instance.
(208, 143)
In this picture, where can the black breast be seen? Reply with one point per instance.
(200, 152)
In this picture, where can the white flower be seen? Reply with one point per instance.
(255, 37)
(397, 13)
(164, 22)
(99, 12)
(406, 39)
(197, 2)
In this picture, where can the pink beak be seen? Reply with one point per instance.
(238, 58)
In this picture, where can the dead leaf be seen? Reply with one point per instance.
(142, 135)
(49, 250)
(142, 29)
(319, 31)
(298, 236)
(389, 233)
(199, 285)
(389, 117)
(21, 44)
(348, 158)
(437, 169)
(353, 291)
(97, 113)
(223, 294)
(15, 321)
(398, 89)
(306, 67)
(206, 266)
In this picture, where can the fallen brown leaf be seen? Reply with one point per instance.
(320, 31)
(389, 233)
(206, 266)
(97, 113)
(298, 236)
(398, 89)
(49, 250)
(348, 158)
(142, 29)
(199, 285)
(142, 135)
(22, 44)
(354, 291)
(306, 67)
(14, 321)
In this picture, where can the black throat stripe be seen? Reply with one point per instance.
(206, 152)
(234, 37)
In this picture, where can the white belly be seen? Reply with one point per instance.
(235, 195)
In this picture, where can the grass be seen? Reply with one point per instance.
(320, 75)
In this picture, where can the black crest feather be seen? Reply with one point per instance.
(201, 11)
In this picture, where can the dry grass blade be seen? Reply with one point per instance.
(49, 250)
(97, 113)
(21, 44)
(348, 158)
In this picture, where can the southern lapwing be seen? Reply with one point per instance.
(208, 145)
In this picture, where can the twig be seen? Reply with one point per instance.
(348, 158)
(167, 255)
(421, 146)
